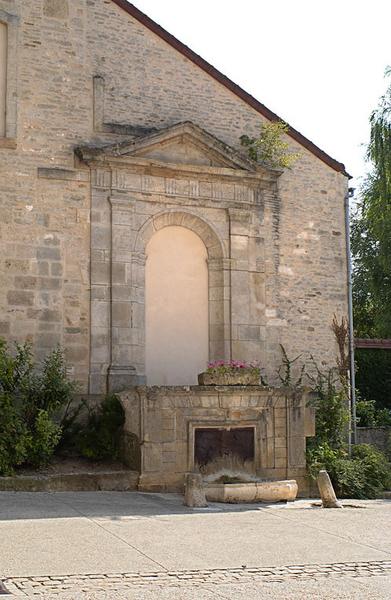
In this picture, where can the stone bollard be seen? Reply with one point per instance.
(194, 491)
(326, 490)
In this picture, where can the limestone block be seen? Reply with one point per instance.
(194, 491)
(277, 491)
(57, 9)
(309, 421)
(100, 272)
(20, 298)
(121, 314)
(239, 247)
(260, 491)
(56, 269)
(25, 282)
(151, 457)
(118, 273)
(121, 293)
(46, 253)
(296, 447)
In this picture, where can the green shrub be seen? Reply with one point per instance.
(375, 467)
(368, 415)
(49, 389)
(100, 438)
(363, 475)
(29, 401)
(321, 457)
(348, 479)
(366, 472)
(43, 441)
(332, 413)
(14, 437)
(15, 370)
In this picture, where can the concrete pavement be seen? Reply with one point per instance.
(112, 533)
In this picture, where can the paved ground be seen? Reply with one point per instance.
(108, 545)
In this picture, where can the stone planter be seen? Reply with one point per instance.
(231, 377)
(259, 491)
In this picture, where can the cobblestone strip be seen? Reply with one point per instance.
(39, 586)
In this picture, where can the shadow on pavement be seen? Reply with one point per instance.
(108, 505)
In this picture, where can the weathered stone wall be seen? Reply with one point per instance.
(376, 436)
(45, 213)
(164, 419)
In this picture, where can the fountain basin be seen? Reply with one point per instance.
(257, 491)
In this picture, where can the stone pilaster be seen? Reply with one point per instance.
(122, 372)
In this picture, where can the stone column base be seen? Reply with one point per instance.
(121, 378)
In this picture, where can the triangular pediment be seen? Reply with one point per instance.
(180, 144)
(186, 143)
(182, 150)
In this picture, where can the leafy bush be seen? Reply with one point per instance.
(100, 438)
(332, 413)
(13, 436)
(367, 471)
(43, 440)
(29, 400)
(375, 468)
(363, 475)
(49, 389)
(15, 370)
(368, 415)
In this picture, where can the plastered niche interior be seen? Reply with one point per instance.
(176, 307)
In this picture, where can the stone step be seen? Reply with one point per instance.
(110, 481)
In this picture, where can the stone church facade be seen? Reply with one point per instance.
(113, 131)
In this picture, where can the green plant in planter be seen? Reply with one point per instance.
(232, 372)
(231, 366)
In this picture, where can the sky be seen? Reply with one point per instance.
(318, 64)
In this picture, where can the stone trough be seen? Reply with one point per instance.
(254, 491)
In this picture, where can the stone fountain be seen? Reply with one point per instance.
(176, 430)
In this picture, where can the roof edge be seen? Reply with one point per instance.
(228, 83)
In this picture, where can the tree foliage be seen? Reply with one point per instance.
(371, 232)
(371, 248)
(270, 147)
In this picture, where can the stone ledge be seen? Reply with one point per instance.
(63, 174)
(109, 481)
(213, 389)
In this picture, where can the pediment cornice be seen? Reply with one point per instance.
(182, 148)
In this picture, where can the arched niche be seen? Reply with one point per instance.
(217, 275)
(176, 307)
